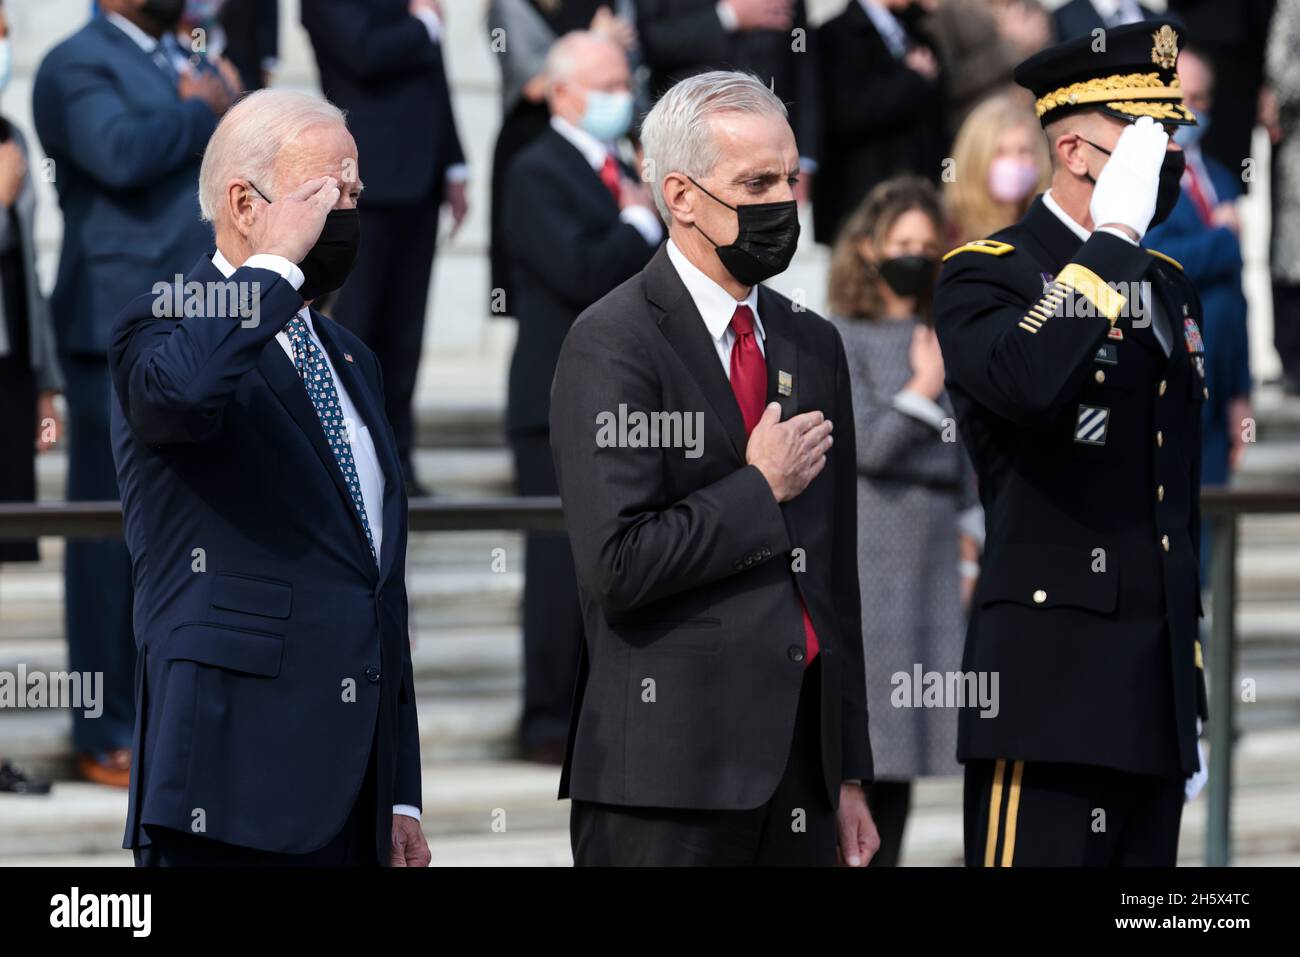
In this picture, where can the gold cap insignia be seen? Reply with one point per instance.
(1164, 50)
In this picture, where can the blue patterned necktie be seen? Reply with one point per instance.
(315, 373)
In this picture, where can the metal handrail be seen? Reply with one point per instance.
(1221, 506)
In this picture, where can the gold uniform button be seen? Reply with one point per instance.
(1160, 493)
(1164, 542)
(1101, 375)
(1163, 385)
(1160, 438)
(1040, 596)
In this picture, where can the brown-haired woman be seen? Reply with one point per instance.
(918, 521)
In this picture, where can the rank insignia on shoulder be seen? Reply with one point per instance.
(991, 246)
(1169, 259)
(1090, 428)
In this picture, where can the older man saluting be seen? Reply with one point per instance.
(266, 519)
(721, 711)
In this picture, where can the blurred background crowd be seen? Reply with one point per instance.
(912, 140)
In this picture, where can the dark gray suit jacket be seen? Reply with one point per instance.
(692, 663)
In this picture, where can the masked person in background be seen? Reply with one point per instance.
(721, 715)
(577, 223)
(919, 523)
(265, 513)
(1076, 367)
(1001, 162)
(123, 112)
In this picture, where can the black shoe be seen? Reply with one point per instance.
(16, 781)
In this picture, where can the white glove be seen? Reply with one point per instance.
(1127, 185)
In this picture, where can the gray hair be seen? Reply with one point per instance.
(251, 137)
(677, 135)
(562, 58)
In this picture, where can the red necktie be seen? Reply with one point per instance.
(610, 176)
(1198, 195)
(749, 384)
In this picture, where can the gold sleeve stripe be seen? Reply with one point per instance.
(1036, 323)
(1093, 288)
(1200, 660)
(1027, 327)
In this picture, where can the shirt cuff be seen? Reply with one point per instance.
(970, 522)
(432, 24)
(727, 17)
(857, 781)
(277, 264)
(919, 407)
(457, 173)
(1118, 232)
(407, 810)
(646, 223)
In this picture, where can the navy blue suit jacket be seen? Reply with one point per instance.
(274, 658)
(377, 62)
(126, 150)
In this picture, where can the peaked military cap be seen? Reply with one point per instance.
(1127, 72)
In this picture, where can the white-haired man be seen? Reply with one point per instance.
(266, 517)
(578, 224)
(721, 712)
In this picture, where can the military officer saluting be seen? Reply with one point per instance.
(1074, 362)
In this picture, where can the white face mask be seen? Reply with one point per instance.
(6, 62)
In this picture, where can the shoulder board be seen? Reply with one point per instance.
(990, 246)
(1169, 259)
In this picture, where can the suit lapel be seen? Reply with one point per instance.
(685, 331)
(282, 377)
(780, 353)
(359, 391)
(144, 62)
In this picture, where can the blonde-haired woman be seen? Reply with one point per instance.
(1000, 163)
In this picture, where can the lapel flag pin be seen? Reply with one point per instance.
(347, 357)
(784, 383)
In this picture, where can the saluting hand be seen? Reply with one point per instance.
(290, 226)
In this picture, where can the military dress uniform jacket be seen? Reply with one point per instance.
(1086, 439)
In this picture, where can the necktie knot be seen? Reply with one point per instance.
(742, 321)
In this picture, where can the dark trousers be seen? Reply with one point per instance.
(385, 299)
(1035, 814)
(796, 827)
(353, 846)
(553, 631)
(890, 802)
(1286, 327)
(97, 572)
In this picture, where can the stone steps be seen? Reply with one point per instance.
(467, 802)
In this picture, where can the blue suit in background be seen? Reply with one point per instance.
(274, 695)
(126, 152)
(1211, 256)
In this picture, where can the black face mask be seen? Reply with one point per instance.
(1171, 182)
(909, 275)
(765, 244)
(328, 264)
(165, 13)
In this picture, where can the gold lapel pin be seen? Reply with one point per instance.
(784, 383)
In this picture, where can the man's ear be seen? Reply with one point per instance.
(240, 200)
(1069, 152)
(677, 196)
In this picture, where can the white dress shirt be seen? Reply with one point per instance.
(716, 307)
(1159, 323)
(888, 26)
(366, 459)
(175, 55)
(594, 152)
